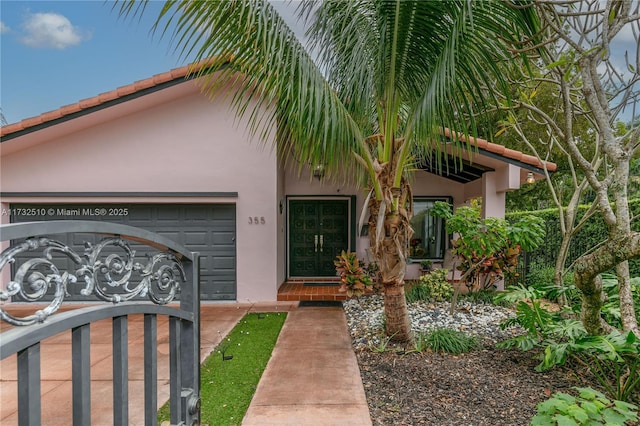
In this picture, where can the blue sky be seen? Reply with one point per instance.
(54, 53)
(58, 52)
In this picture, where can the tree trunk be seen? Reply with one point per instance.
(567, 219)
(587, 277)
(389, 234)
(592, 301)
(398, 325)
(627, 309)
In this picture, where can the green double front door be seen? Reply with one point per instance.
(318, 232)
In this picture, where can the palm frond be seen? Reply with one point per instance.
(473, 45)
(245, 49)
(404, 69)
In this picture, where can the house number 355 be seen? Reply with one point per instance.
(255, 220)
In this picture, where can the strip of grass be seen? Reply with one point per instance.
(226, 387)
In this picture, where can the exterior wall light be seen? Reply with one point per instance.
(530, 178)
(318, 171)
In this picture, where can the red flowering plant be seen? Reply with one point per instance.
(414, 248)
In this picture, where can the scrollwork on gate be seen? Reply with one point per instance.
(112, 277)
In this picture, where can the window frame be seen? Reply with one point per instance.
(447, 237)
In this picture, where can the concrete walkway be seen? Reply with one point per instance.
(312, 377)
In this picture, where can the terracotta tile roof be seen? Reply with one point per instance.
(183, 72)
(494, 148)
(98, 100)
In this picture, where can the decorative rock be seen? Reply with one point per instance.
(365, 317)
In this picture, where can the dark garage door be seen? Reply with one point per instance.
(209, 229)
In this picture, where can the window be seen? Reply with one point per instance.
(429, 240)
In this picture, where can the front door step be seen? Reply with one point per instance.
(320, 304)
(322, 284)
(298, 290)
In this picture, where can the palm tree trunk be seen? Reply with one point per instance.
(398, 325)
(389, 234)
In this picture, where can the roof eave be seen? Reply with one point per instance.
(92, 109)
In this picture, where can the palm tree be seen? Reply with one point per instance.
(390, 76)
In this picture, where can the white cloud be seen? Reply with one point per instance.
(4, 28)
(50, 30)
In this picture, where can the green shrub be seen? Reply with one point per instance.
(590, 235)
(431, 287)
(539, 275)
(590, 407)
(487, 249)
(542, 278)
(445, 340)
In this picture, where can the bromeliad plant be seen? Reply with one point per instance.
(353, 277)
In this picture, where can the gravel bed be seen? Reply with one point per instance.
(365, 317)
(488, 386)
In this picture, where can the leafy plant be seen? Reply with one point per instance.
(568, 292)
(589, 407)
(530, 315)
(446, 340)
(425, 265)
(611, 307)
(432, 287)
(373, 271)
(354, 279)
(416, 292)
(613, 359)
(488, 249)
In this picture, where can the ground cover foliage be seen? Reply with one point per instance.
(231, 373)
(552, 373)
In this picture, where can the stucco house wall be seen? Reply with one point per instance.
(182, 145)
(161, 141)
